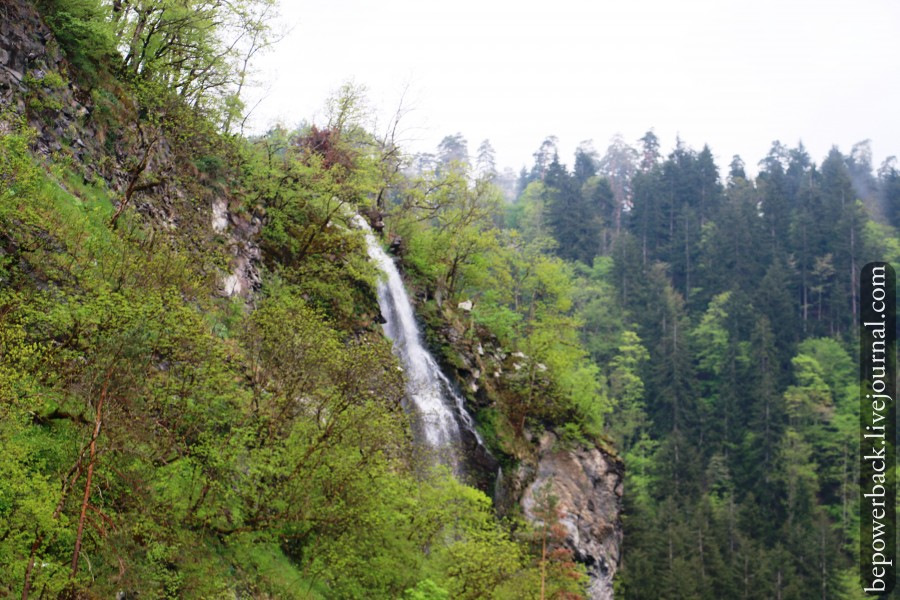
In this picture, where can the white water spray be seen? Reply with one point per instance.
(438, 406)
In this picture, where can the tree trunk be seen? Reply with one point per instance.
(90, 474)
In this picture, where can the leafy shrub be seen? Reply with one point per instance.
(81, 28)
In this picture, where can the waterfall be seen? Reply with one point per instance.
(439, 411)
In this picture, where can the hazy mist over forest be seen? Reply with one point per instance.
(736, 76)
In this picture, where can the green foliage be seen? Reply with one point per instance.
(522, 295)
(259, 448)
(198, 50)
(184, 445)
(426, 590)
(83, 31)
(308, 206)
(18, 173)
(448, 225)
(602, 317)
(41, 98)
(721, 320)
(626, 388)
(729, 290)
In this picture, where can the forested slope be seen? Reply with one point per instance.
(733, 386)
(196, 399)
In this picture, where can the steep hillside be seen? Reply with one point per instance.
(196, 398)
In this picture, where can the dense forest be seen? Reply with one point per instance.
(734, 309)
(197, 399)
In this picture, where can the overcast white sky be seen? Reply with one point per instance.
(734, 74)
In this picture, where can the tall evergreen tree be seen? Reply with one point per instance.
(486, 162)
(889, 190)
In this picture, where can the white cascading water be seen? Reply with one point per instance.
(438, 407)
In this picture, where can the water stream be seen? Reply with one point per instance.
(441, 420)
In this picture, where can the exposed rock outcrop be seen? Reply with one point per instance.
(587, 481)
(28, 53)
(588, 485)
(35, 85)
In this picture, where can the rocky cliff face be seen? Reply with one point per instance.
(35, 86)
(588, 485)
(58, 111)
(587, 481)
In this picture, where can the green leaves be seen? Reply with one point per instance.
(83, 32)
